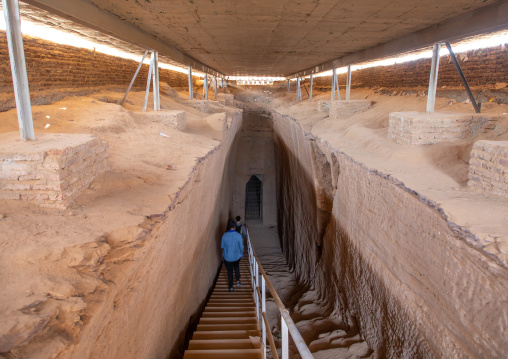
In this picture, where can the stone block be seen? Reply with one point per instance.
(175, 119)
(227, 98)
(201, 105)
(52, 170)
(218, 121)
(323, 106)
(344, 108)
(489, 173)
(420, 128)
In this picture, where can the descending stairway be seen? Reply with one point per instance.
(228, 322)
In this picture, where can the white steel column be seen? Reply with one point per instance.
(150, 70)
(156, 92)
(285, 339)
(434, 70)
(134, 78)
(289, 86)
(191, 94)
(348, 84)
(205, 87)
(311, 84)
(298, 89)
(263, 311)
(215, 87)
(18, 69)
(334, 79)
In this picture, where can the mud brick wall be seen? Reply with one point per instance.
(488, 167)
(52, 66)
(53, 177)
(342, 109)
(228, 99)
(415, 128)
(481, 67)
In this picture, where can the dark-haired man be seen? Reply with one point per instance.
(232, 251)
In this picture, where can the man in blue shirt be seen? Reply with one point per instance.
(232, 245)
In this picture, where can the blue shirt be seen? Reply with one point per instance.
(232, 243)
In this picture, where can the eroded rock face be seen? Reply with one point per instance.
(389, 259)
(135, 287)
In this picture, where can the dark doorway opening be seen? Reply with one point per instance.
(253, 198)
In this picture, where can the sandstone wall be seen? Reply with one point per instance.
(388, 258)
(156, 275)
(481, 67)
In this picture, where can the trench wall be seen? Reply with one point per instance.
(158, 274)
(385, 256)
(256, 137)
(52, 67)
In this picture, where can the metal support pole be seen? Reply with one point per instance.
(18, 69)
(348, 83)
(150, 70)
(285, 341)
(215, 87)
(134, 78)
(334, 79)
(298, 89)
(289, 85)
(191, 92)
(434, 71)
(156, 92)
(263, 310)
(462, 77)
(337, 85)
(311, 84)
(256, 286)
(205, 89)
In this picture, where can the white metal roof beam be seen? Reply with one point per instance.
(87, 14)
(481, 21)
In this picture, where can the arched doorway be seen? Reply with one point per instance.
(254, 198)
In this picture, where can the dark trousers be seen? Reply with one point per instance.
(229, 268)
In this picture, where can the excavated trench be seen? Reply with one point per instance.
(364, 249)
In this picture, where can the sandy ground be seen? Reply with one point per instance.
(39, 246)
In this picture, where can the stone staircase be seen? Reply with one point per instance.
(228, 328)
